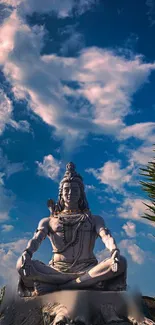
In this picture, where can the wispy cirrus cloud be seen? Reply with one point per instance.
(139, 156)
(7, 167)
(127, 248)
(90, 187)
(112, 175)
(9, 252)
(133, 209)
(50, 167)
(16, 246)
(105, 83)
(130, 229)
(137, 254)
(102, 255)
(6, 115)
(141, 131)
(6, 201)
(5, 111)
(61, 8)
(7, 228)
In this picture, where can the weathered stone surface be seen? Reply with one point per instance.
(150, 306)
(72, 307)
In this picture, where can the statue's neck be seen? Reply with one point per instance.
(71, 206)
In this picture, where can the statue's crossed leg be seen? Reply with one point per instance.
(101, 272)
(43, 278)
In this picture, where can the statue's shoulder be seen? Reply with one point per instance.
(98, 219)
(43, 223)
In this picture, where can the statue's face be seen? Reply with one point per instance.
(71, 192)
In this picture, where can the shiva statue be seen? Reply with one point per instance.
(72, 230)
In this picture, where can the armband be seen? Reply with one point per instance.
(107, 231)
(114, 250)
(42, 230)
(28, 251)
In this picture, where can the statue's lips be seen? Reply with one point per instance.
(71, 198)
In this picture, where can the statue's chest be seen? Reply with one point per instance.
(70, 230)
(56, 225)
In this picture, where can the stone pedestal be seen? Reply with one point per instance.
(72, 307)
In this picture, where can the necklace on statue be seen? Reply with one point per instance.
(68, 224)
(73, 211)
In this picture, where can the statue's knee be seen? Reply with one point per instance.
(19, 265)
(123, 263)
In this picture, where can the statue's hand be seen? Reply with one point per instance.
(115, 260)
(116, 256)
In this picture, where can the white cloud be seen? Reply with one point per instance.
(5, 111)
(108, 82)
(6, 203)
(130, 229)
(22, 125)
(7, 37)
(136, 253)
(142, 155)
(7, 167)
(127, 247)
(61, 8)
(141, 131)
(9, 253)
(8, 268)
(111, 174)
(102, 255)
(13, 3)
(151, 237)
(133, 209)
(14, 168)
(137, 158)
(49, 168)
(7, 228)
(6, 115)
(16, 246)
(74, 43)
(7, 198)
(1, 178)
(105, 81)
(90, 187)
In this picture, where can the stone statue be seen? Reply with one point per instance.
(72, 230)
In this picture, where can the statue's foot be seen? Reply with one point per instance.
(42, 288)
(100, 286)
(23, 291)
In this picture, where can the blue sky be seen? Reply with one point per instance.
(77, 84)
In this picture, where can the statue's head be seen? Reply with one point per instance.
(71, 189)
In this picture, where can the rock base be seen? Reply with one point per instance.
(72, 307)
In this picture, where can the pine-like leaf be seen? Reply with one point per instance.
(148, 187)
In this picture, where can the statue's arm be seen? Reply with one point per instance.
(39, 235)
(105, 234)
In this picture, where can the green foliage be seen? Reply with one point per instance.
(148, 186)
